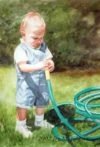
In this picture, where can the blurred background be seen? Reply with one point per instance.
(73, 30)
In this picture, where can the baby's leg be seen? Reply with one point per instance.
(21, 126)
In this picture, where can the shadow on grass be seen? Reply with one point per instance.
(30, 124)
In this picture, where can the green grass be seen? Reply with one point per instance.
(65, 86)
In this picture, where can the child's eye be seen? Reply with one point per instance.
(35, 38)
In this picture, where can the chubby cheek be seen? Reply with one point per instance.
(29, 40)
(33, 43)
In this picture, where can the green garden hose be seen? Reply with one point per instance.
(87, 105)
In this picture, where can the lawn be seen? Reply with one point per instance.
(65, 86)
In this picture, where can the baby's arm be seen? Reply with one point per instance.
(30, 67)
(21, 59)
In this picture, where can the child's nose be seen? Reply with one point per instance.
(40, 40)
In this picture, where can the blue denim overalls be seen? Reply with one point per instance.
(32, 87)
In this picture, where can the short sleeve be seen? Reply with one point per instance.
(48, 54)
(20, 55)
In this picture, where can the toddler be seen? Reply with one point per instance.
(32, 57)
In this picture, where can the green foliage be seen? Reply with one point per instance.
(70, 35)
(62, 33)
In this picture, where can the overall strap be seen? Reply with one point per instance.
(32, 85)
(43, 47)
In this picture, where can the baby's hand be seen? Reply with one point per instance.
(46, 64)
(50, 65)
(42, 65)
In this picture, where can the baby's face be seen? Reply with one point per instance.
(34, 35)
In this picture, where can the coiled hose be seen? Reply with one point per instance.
(87, 106)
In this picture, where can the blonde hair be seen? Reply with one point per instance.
(33, 17)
